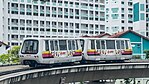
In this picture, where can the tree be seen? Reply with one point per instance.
(12, 56)
(147, 54)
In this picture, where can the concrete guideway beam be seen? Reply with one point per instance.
(78, 73)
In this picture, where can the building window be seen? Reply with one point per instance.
(122, 2)
(115, 16)
(142, 16)
(142, 7)
(130, 28)
(115, 10)
(122, 21)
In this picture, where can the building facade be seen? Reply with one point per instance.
(119, 15)
(139, 42)
(50, 18)
(3, 48)
(141, 16)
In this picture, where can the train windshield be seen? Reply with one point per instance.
(30, 47)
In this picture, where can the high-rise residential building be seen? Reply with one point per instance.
(119, 15)
(141, 14)
(147, 17)
(50, 18)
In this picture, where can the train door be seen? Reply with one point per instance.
(75, 48)
(118, 47)
(92, 49)
(103, 47)
(110, 48)
(47, 50)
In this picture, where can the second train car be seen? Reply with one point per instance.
(45, 51)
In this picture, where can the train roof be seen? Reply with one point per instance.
(76, 38)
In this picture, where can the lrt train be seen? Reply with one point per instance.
(50, 51)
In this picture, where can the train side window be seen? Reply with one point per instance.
(82, 44)
(98, 44)
(126, 43)
(92, 44)
(73, 45)
(76, 44)
(108, 44)
(122, 44)
(46, 45)
(102, 44)
(62, 45)
(56, 45)
(69, 45)
(118, 44)
(30, 47)
(52, 45)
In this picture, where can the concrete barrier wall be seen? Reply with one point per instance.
(77, 73)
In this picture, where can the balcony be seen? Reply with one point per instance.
(71, 5)
(48, 32)
(41, 25)
(15, 0)
(22, 10)
(96, 16)
(147, 19)
(96, 8)
(54, 12)
(14, 9)
(77, 14)
(22, 24)
(102, 8)
(41, 11)
(28, 24)
(35, 10)
(71, 14)
(48, 3)
(66, 5)
(129, 11)
(60, 4)
(84, 15)
(54, 4)
(77, 6)
(91, 16)
(60, 26)
(29, 10)
(91, 7)
(35, 32)
(41, 32)
(35, 25)
(14, 31)
(53, 26)
(60, 12)
(102, 18)
(29, 32)
(35, 2)
(22, 31)
(16, 39)
(14, 24)
(84, 6)
(47, 25)
(147, 10)
(130, 19)
(66, 13)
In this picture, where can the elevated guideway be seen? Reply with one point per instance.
(78, 73)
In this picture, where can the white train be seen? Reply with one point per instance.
(106, 49)
(49, 51)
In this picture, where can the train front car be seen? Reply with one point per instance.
(29, 52)
(107, 49)
(51, 51)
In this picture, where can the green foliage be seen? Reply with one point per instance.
(147, 54)
(11, 57)
(136, 57)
